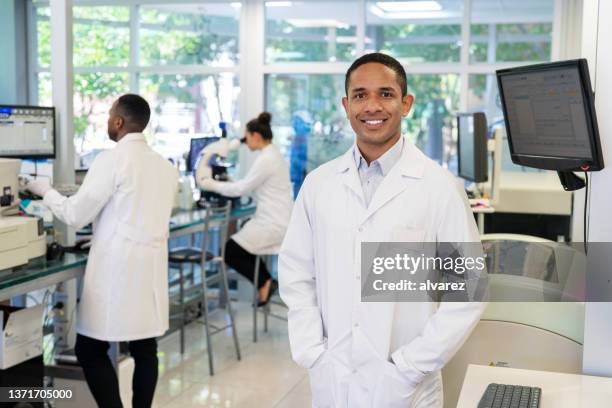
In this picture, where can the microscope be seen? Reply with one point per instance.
(212, 163)
(21, 237)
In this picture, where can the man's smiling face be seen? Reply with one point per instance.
(374, 104)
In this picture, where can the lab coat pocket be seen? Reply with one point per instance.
(322, 382)
(428, 393)
(393, 389)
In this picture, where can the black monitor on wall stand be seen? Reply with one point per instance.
(549, 113)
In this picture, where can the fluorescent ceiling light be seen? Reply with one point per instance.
(236, 4)
(278, 4)
(413, 15)
(316, 22)
(408, 6)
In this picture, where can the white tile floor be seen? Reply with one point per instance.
(265, 377)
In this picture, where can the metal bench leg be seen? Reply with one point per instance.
(266, 310)
(230, 310)
(266, 313)
(255, 298)
(182, 302)
(207, 327)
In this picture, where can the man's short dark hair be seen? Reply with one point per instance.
(385, 60)
(135, 111)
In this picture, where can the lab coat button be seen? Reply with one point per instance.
(360, 229)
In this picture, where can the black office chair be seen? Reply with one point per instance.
(179, 257)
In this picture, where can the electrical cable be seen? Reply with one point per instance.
(585, 221)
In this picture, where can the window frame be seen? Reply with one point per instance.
(252, 76)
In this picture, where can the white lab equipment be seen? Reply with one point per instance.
(184, 195)
(21, 238)
(206, 167)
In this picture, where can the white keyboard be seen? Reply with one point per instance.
(67, 189)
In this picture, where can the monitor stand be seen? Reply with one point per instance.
(570, 181)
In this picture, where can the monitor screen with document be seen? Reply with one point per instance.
(27, 132)
(549, 113)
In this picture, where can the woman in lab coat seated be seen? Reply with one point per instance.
(268, 183)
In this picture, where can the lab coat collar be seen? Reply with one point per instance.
(132, 137)
(386, 161)
(411, 165)
(411, 162)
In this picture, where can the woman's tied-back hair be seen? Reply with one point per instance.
(261, 125)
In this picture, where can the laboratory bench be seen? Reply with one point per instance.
(559, 390)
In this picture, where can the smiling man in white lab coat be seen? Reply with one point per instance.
(128, 195)
(362, 354)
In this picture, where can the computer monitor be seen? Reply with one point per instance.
(27, 132)
(549, 113)
(196, 146)
(472, 147)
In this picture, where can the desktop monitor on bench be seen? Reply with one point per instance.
(472, 147)
(27, 132)
(549, 113)
(196, 147)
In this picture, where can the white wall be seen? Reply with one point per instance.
(597, 48)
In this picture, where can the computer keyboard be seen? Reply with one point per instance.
(67, 189)
(510, 396)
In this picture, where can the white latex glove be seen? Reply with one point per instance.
(208, 184)
(38, 187)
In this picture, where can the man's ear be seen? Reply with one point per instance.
(407, 104)
(345, 104)
(119, 122)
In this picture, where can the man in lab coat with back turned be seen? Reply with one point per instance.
(128, 195)
(362, 354)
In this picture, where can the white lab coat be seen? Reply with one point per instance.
(267, 181)
(128, 194)
(371, 354)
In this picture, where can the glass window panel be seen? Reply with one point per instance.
(94, 94)
(520, 30)
(417, 36)
(43, 36)
(186, 106)
(101, 36)
(430, 124)
(176, 34)
(45, 97)
(483, 96)
(308, 120)
(311, 31)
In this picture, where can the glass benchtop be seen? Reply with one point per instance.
(39, 268)
(188, 218)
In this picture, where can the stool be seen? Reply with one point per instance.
(264, 255)
(193, 255)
